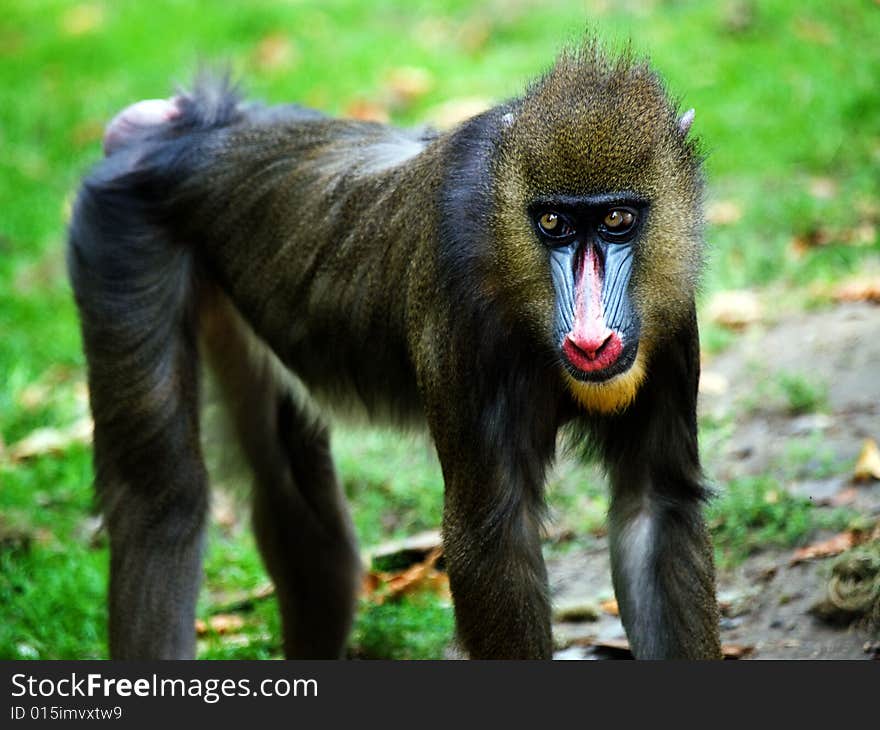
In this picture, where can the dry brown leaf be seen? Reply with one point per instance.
(723, 212)
(827, 548)
(456, 111)
(863, 289)
(367, 111)
(225, 623)
(868, 464)
(380, 586)
(275, 51)
(736, 651)
(610, 607)
(409, 83)
(222, 623)
(51, 440)
(370, 583)
(735, 309)
(862, 234)
(801, 243)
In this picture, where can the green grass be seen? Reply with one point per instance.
(791, 393)
(418, 627)
(756, 512)
(787, 104)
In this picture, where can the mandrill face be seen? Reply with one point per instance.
(598, 201)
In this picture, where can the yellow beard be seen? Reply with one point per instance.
(613, 395)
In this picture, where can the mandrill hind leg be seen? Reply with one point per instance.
(300, 515)
(139, 335)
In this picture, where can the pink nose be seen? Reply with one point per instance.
(589, 354)
(589, 347)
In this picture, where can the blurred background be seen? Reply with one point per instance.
(787, 96)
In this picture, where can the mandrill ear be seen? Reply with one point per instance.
(685, 121)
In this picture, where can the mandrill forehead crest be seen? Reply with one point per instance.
(592, 124)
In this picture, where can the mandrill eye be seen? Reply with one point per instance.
(618, 225)
(555, 226)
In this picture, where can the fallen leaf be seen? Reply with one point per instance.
(868, 464)
(801, 243)
(51, 440)
(455, 111)
(379, 586)
(862, 234)
(225, 623)
(275, 51)
(736, 651)
(610, 607)
(735, 309)
(723, 212)
(367, 111)
(413, 576)
(863, 289)
(827, 548)
(408, 83)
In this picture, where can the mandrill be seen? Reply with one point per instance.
(529, 272)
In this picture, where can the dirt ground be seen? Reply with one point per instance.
(765, 600)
